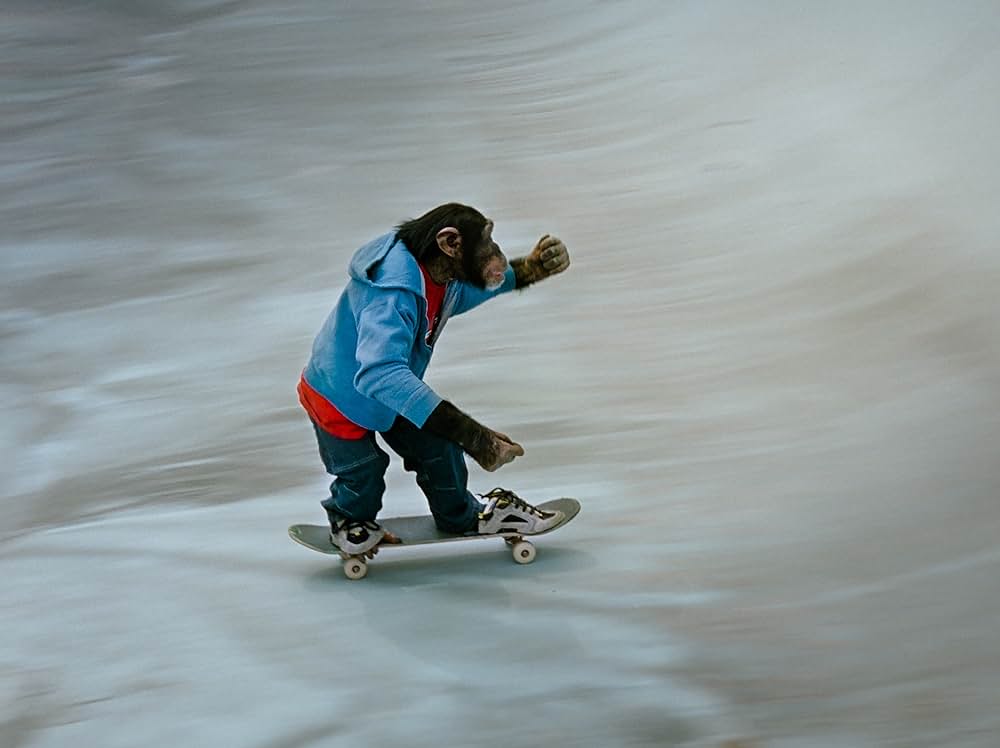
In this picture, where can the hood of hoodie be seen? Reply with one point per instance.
(385, 262)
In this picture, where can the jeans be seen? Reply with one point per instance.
(359, 465)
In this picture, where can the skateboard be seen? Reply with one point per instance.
(421, 530)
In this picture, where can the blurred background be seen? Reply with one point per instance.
(771, 375)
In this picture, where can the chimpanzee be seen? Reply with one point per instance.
(365, 376)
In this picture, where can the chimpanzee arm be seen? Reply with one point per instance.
(526, 272)
(490, 449)
(386, 331)
(448, 421)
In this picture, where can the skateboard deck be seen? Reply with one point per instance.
(421, 530)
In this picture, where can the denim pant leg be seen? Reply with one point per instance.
(358, 466)
(441, 474)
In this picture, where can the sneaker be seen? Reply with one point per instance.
(505, 513)
(354, 537)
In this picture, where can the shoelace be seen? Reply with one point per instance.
(350, 524)
(501, 497)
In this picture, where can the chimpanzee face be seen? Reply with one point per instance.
(484, 265)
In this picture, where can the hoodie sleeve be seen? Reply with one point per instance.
(469, 297)
(387, 329)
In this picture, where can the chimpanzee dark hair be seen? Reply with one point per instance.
(420, 234)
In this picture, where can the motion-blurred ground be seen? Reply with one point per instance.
(771, 375)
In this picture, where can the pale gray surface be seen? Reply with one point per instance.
(773, 370)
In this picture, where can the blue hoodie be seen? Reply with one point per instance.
(370, 356)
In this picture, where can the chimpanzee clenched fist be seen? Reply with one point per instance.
(549, 257)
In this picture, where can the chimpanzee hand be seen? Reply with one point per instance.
(491, 449)
(551, 255)
(548, 258)
(501, 449)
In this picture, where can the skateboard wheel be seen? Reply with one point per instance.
(524, 552)
(355, 568)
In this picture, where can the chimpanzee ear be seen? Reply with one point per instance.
(449, 241)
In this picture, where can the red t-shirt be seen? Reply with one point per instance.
(434, 293)
(325, 414)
